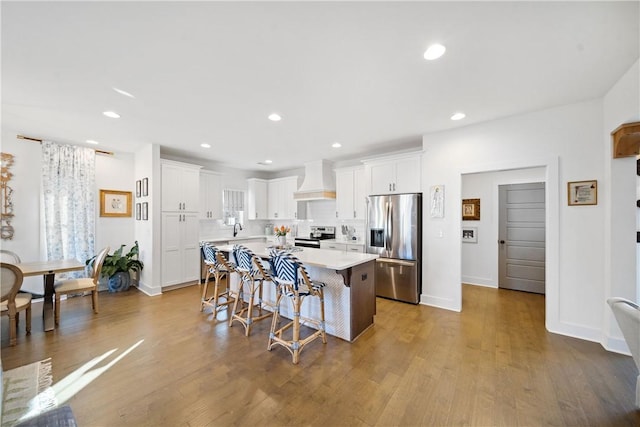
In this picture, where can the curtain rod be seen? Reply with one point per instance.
(28, 138)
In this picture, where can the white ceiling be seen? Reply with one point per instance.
(349, 72)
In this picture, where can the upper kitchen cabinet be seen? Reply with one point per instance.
(280, 201)
(350, 193)
(397, 174)
(180, 186)
(257, 199)
(210, 195)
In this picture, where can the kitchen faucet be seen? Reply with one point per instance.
(235, 230)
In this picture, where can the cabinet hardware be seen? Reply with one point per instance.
(354, 214)
(389, 186)
(394, 186)
(336, 214)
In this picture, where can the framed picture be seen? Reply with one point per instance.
(470, 209)
(138, 188)
(145, 187)
(469, 235)
(437, 201)
(582, 193)
(138, 211)
(145, 211)
(115, 203)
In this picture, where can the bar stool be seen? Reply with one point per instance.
(293, 282)
(252, 276)
(220, 269)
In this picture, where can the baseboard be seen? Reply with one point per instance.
(576, 331)
(484, 285)
(147, 290)
(445, 303)
(479, 281)
(178, 286)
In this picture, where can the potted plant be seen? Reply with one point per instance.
(116, 267)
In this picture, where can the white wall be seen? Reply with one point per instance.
(113, 173)
(566, 142)
(480, 260)
(621, 105)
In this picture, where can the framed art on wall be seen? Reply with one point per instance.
(469, 235)
(470, 209)
(145, 211)
(114, 203)
(145, 187)
(138, 211)
(581, 193)
(138, 188)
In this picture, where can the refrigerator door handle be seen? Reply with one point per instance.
(397, 262)
(387, 226)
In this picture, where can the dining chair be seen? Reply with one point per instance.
(13, 302)
(83, 284)
(9, 256)
(294, 283)
(627, 314)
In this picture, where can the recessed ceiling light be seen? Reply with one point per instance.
(112, 114)
(434, 51)
(336, 145)
(123, 92)
(268, 161)
(205, 145)
(275, 117)
(91, 141)
(458, 116)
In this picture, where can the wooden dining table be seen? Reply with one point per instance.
(48, 270)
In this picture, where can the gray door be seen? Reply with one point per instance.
(521, 240)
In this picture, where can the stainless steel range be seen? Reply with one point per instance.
(317, 233)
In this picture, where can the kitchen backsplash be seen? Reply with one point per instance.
(319, 213)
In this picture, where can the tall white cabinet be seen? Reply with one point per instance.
(180, 222)
(210, 195)
(257, 198)
(350, 193)
(394, 175)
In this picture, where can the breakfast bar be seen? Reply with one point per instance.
(350, 297)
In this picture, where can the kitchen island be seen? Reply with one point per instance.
(349, 297)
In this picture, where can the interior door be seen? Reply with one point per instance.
(521, 241)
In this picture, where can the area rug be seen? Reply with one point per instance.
(26, 392)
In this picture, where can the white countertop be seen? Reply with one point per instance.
(350, 242)
(322, 258)
(232, 239)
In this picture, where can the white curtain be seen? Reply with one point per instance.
(68, 184)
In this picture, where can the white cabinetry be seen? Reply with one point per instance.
(257, 199)
(333, 245)
(180, 248)
(396, 175)
(280, 201)
(350, 193)
(210, 195)
(180, 222)
(180, 187)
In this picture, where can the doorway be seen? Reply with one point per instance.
(521, 237)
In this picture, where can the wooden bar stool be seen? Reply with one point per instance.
(252, 276)
(220, 268)
(294, 283)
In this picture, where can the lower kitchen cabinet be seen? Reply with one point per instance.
(180, 248)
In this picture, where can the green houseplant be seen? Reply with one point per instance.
(117, 266)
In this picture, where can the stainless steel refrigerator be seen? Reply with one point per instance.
(394, 231)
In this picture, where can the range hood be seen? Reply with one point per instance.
(318, 183)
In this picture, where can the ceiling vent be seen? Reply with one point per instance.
(319, 183)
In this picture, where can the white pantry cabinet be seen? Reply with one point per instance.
(395, 174)
(180, 248)
(210, 195)
(256, 199)
(350, 193)
(180, 187)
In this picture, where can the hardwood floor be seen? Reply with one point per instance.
(492, 364)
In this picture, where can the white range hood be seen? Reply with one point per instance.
(319, 183)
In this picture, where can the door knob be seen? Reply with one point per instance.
(502, 242)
